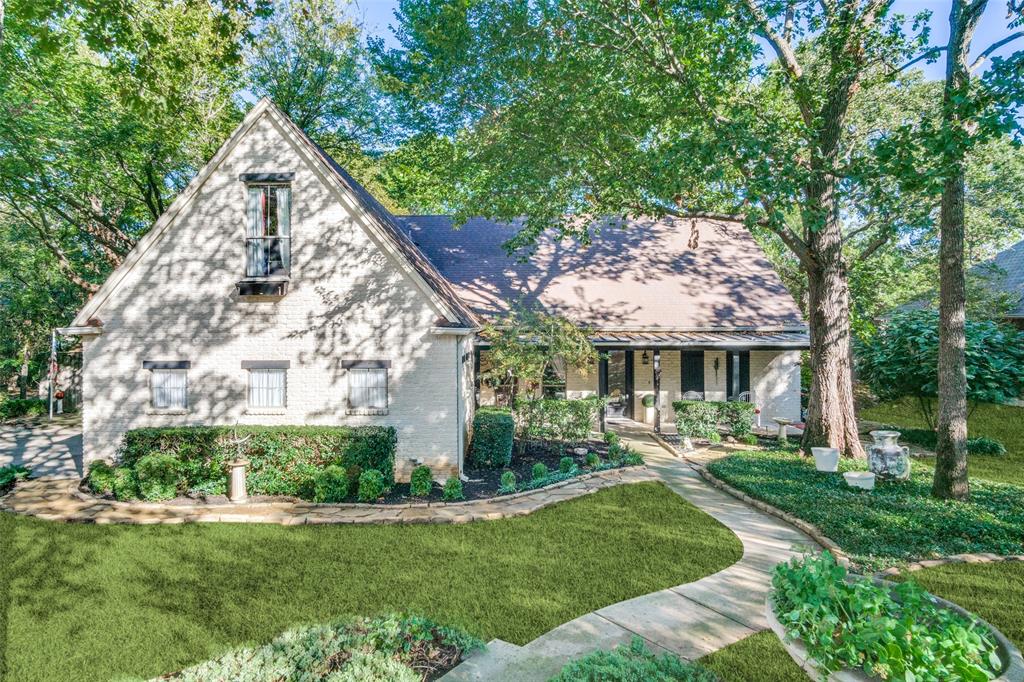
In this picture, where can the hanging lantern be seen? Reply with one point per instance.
(645, 359)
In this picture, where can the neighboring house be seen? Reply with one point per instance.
(1005, 274)
(276, 290)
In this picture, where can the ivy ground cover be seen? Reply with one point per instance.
(896, 522)
(81, 602)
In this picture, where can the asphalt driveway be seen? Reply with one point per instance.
(49, 449)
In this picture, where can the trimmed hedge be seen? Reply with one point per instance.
(421, 482)
(158, 478)
(283, 460)
(13, 408)
(330, 485)
(700, 418)
(493, 431)
(557, 419)
(371, 485)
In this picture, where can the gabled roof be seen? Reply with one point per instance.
(1005, 272)
(637, 275)
(454, 311)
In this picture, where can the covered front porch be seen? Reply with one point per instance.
(761, 367)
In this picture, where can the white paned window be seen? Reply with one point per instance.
(267, 388)
(368, 389)
(169, 389)
(268, 234)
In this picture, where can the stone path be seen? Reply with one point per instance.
(60, 500)
(689, 620)
(47, 448)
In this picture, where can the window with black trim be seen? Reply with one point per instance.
(367, 386)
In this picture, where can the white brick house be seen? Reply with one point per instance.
(276, 290)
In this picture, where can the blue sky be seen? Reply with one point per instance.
(378, 15)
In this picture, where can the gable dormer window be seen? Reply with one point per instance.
(268, 233)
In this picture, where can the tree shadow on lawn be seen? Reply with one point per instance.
(148, 600)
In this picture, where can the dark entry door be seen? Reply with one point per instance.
(692, 379)
(616, 383)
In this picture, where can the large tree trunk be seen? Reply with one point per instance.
(950, 480)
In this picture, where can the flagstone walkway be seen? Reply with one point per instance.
(689, 620)
(58, 499)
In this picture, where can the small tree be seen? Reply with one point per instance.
(902, 361)
(526, 343)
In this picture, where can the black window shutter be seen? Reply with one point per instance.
(744, 371)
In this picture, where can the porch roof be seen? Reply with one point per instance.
(784, 339)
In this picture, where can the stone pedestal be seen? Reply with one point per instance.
(783, 423)
(237, 492)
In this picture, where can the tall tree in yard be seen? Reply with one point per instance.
(961, 107)
(570, 111)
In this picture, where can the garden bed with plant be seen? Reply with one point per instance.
(895, 523)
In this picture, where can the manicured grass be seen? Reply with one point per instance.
(1001, 422)
(897, 522)
(759, 657)
(94, 602)
(993, 591)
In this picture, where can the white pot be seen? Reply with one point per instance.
(860, 479)
(826, 459)
(649, 415)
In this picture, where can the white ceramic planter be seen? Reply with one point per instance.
(1013, 662)
(648, 415)
(826, 459)
(860, 479)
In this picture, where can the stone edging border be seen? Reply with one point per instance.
(86, 497)
(808, 528)
(979, 558)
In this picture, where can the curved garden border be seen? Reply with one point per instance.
(60, 500)
(980, 558)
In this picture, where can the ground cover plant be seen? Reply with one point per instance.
(888, 632)
(384, 649)
(17, 408)
(895, 523)
(9, 475)
(1003, 423)
(633, 662)
(110, 601)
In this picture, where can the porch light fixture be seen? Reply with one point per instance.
(645, 359)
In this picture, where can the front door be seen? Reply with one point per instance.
(616, 383)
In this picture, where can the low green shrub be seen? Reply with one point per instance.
(384, 649)
(493, 432)
(11, 474)
(421, 482)
(738, 416)
(648, 400)
(633, 663)
(566, 464)
(157, 476)
(508, 483)
(452, 490)
(539, 471)
(100, 479)
(592, 459)
(557, 419)
(631, 458)
(696, 418)
(16, 408)
(330, 485)
(282, 459)
(125, 485)
(749, 439)
(611, 439)
(926, 438)
(209, 488)
(371, 485)
(888, 632)
(983, 445)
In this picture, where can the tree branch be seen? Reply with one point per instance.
(993, 47)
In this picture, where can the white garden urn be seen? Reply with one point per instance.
(826, 459)
(886, 458)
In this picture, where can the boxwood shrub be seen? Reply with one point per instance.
(330, 485)
(700, 418)
(157, 476)
(452, 490)
(125, 485)
(557, 419)
(493, 430)
(371, 485)
(421, 482)
(100, 478)
(283, 460)
(508, 482)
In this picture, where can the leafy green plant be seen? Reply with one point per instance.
(421, 482)
(633, 662)
(209, 488)
(738, 417)
(648, 400)
(100, 478)
(493, 432)
(631, 458)
(557, 419)
(508, 482)
(452, 490)
(749, 439)
(696, 418)
(330, 485)
(566, 464)
(902, 360)
(983, 445)
(399, 648)
(539, 471)
(16, 408)
(887, 631)
(11, 474)
(611, 439)
(157, 477)
(371, 485)
(927, 438)
(592, 459)
(125, 485)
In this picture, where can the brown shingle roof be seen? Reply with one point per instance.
(639, 274)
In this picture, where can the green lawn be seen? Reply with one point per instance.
(758, 658)
(897, 522)
(1001, 422)
(91, 602)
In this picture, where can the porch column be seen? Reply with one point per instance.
(657, 390)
